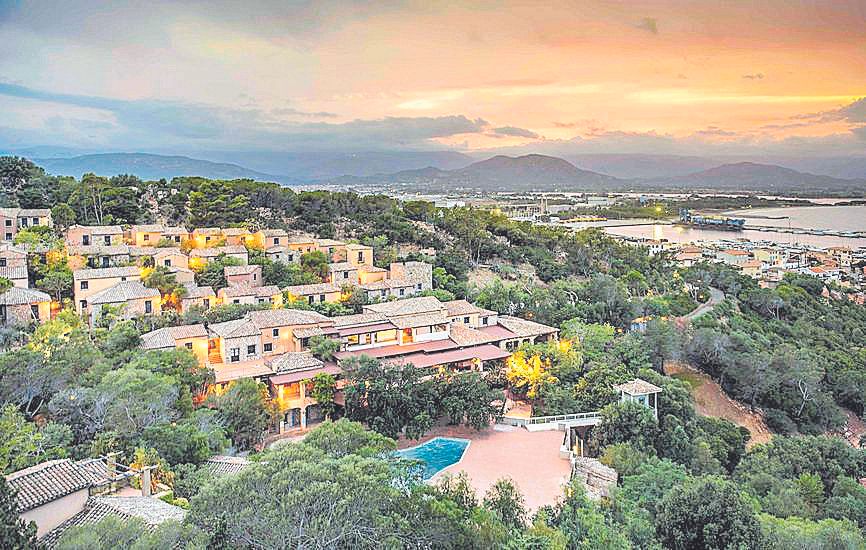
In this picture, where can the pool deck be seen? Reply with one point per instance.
(530, 459)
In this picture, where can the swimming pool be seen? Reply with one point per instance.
(436, 454)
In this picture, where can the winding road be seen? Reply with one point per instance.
(716, 298)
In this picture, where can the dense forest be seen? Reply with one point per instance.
(686, 481)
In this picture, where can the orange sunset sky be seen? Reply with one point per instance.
(697, 75)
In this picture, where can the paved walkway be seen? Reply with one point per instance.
(530, 459)
(716, 298)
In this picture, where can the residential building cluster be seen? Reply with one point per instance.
(769, 262)
(272, 344)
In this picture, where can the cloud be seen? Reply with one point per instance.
(649, 24)
(513, 131)
(854, 113)
(754, 76)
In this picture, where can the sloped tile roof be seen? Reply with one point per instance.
(357, 319)
(241, 269)
(460, 307)
(247, 290)
(193, 291)
(122, 292)
(420, 320)
(106, 272)
(409, 306)
(294, 361)
(523, 328)
(223, 465)
(15, 296)
(237, 328)
(274, 233)
(101, 229)
(637, 387)
(10, 272)
(167, 337)
(316, 288)
(342, 266)
(468, 336)
(148, 228)
(48, 481)
(151, 510)
(98, 250)
(267, 318)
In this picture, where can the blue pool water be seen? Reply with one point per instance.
(436, 454)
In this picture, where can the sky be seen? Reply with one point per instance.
(655, 76)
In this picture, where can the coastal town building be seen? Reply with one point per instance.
(87, 282)
(94, 234)
(21, 306)
(13, 220)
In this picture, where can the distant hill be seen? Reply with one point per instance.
(151, 167)
(324, 165)
(753, 177)
(630, 166)
(499, 173)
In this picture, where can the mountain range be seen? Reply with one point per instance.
(544, 173)
(439, 171)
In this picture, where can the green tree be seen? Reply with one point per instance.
(63, 217)
(707, 513)
(324, 348)
(246, 411)
(323, 391)
(468, 399)
(389, 398)
(15, 533)
(505, 500)
(23, 444)
(626, 422)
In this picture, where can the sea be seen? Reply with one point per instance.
(828, 218)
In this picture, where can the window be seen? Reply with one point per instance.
(466, 320)
(3, 312)
(236, 301)
(85, 285)
(146, 237)
(255, 276)
(235, 355)
(177, 239)
(188, 345)
(34, 310)
(276, 333)
(484, 320)
(123, 278)
(8, 236)
(418, 286)
(291, 257)
(207, 239)
(85, 240)
(251, 349)
(105, 261)
(106, 239)
(35, 221)
(148, 307)
(345, 274)
(311, 299)
(23, 222)
(206, 303)
(166, 262)
(8, 223)
(402, 291)
(83, 304)
(2, 262)
(268, 347)
(276, 241)
(360, 257)
(321, 297)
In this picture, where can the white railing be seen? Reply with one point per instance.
(563, 417)
(520, 421)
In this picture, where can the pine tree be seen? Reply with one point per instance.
(15, 534)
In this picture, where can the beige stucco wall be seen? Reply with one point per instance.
(22, 314)
(52, 514)
(97, 285)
